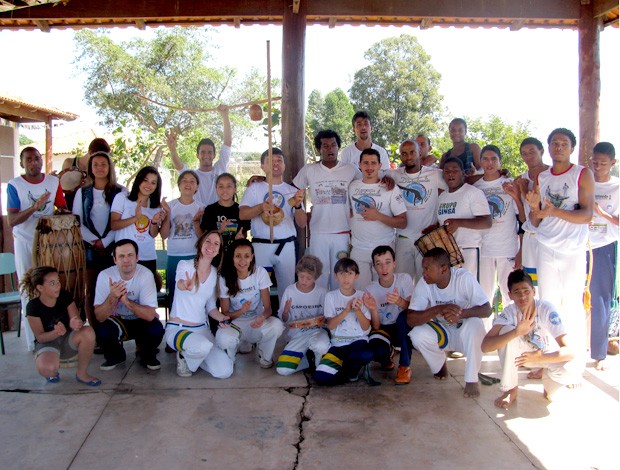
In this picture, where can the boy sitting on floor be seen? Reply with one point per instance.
(530, 333)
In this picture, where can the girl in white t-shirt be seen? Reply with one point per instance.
(187, 331)
(244, 297)
(182, 227)
(139, 216)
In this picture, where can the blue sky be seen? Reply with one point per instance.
(527, 75)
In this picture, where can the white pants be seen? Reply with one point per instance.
(529, 256)
(561, 281)
(264, 337)
(329, 248)
(494, 271)
(408, 258)
(23, 262)
(471, 257)
(283, 264)
(294, 358)
(196, 343)
(466, 339)
(510, 372)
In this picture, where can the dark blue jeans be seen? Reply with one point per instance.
(343, 362)
(148, 335)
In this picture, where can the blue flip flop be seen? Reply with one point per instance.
(90, 383)
(53, 380)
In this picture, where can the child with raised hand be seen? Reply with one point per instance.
(223, 215)
(187, 331)
(58, 329)
(302, 310)
(348, 313)
(392, 292)
(181, 227)
(244, 298)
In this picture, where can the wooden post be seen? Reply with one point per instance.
(48, 145)
(589, 81)
(269, 132)
(293, 96)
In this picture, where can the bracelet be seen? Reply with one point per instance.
(297, 207)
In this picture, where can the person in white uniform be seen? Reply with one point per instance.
(187, 330)
(446, 312)
(420, 186)
(362, 128)
(376, 212)
(328, 181)
(286, 206)
(302, 311)
(562, 206)
(206, 152)
(529, 333)
(465, 213)
(244, 298)
(29, 197)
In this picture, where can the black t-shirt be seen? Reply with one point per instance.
(51, 315)
(213, 215)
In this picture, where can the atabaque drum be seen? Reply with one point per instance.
(441, 238)
(58, 243)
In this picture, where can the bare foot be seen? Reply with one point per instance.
(535, 374)
(600, 365)
(506, 399)
(472, 390)
(443, 372)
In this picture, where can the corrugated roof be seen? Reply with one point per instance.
(16, 109)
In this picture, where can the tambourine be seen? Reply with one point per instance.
(71, 179)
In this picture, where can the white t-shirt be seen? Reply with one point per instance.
(349, 330)
(602, 231)
(206, 189)
(387, 311)
(183, 237)
(463, 290)
(466, 202)
(501, 240)
(329, 192)
(249, 291)
(548, 325)
(257, 193)
(99, 214)
(420, 192)
(351, 154)
(563, 192)
(304, 305)
(138, 231)
(140, 289)
(368, 234)
(22, 195)
(191, 305)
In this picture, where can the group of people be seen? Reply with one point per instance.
(363, 290)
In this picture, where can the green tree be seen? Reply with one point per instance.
(492, 130)
(399, 88)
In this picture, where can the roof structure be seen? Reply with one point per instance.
(517, 14)
(16, 110)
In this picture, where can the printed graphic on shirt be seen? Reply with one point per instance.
(278, 199)
(415, 193)
(33, 199)
(182, 224)
(331, 192)
(446, 208)
(497, 206)
(364, 202)
(557, 199)
(142, 224)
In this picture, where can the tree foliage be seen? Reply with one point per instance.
(399, 88)
(171, 68)
(332, 111)
(493, 130)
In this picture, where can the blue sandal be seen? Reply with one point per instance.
(53, 380)
(90, 383)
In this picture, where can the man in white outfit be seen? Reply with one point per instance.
(362, 128)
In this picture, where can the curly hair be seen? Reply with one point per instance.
(35, 277)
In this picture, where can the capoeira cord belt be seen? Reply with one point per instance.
(279, 241)
(307, 322)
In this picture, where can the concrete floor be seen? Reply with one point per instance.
(258, 420)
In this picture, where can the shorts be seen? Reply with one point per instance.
(63, 346)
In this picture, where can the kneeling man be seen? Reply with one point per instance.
(529, 332)
(446, 311)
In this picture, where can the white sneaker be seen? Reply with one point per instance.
(182, 369)
(265, 364)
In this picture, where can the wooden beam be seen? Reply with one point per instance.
(293, 97)
(332, 22)
(602, 7)
(589, 83)
(516, 25)
(426, 23)
(43, 25)
(141, 24)
(296, 6)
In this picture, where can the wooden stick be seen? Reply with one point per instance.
(269, 129)
(205, 110)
